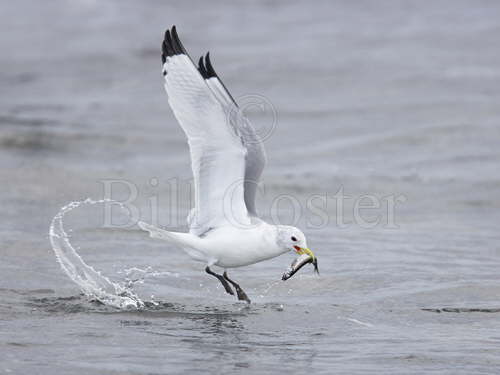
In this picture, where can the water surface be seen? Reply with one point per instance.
(383, 98)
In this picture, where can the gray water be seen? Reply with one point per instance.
(391, 99)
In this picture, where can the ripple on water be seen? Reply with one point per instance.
(463, 310)
(84, 304)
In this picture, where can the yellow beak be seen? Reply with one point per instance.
(305, 250)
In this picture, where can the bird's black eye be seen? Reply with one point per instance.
(294, 239)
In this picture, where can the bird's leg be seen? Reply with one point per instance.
(221, 279)
(242, 296)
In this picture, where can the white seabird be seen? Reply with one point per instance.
(227, 159)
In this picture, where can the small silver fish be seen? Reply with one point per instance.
(298, 263)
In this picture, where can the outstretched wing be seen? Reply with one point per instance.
(216, 145)
(255, 159)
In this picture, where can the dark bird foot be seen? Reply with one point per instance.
(222, 280)
(242, 296)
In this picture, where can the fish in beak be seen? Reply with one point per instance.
(305, 256)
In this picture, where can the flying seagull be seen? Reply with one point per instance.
(227, 159)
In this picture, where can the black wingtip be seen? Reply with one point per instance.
(210, 68)
(210, 72)
(171, 44)
(167, 49)
(177, 41)
(202, 69)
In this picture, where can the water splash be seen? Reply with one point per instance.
(90, 281)
(136, 275)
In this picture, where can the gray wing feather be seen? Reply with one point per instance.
(255, 159)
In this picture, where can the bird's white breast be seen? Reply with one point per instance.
(235, 247)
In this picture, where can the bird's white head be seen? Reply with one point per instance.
(293, 239)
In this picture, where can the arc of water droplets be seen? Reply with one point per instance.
(90, 281)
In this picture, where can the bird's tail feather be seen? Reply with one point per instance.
(185, 241)
(162, 234)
